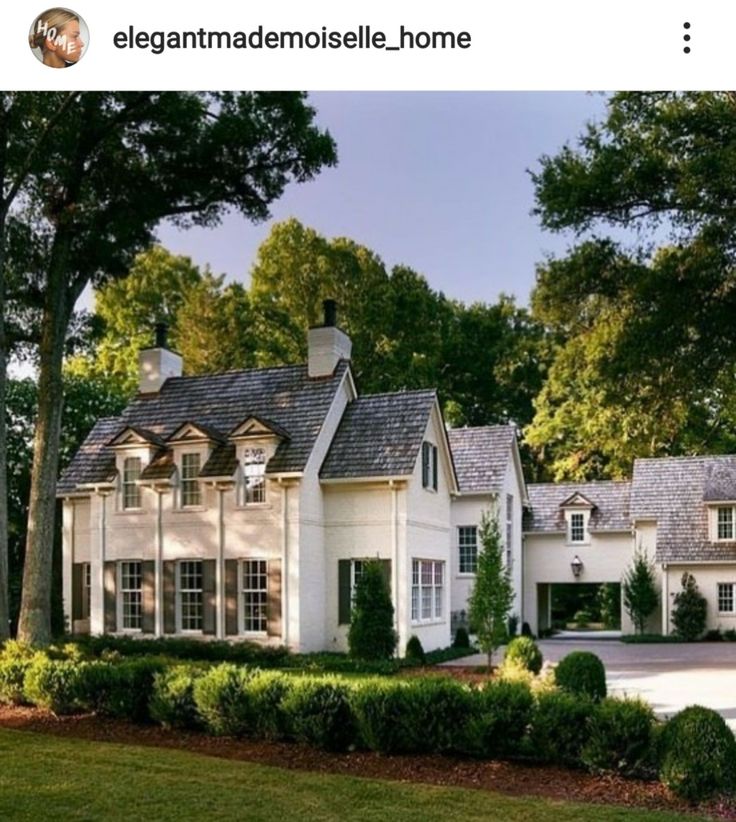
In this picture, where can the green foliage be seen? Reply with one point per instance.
(371, 635)
(319, 712)
(121, 690)
(609, 605)
(462, 640)
(524, 651)
(57, 685)
(415, 651)
(639, 589)
(492, 595)
(267, 691)
(698, 753)
(582, 673)
(223, 701)
(382, 711)
(559, 727)
(12, 677)
(620, 736)
(498, 723)
(172, 697)
(689, 610)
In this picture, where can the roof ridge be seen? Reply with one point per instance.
(381, 394)
(581, 482)
(230, 371)
(483, 427)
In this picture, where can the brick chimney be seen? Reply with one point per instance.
(327, 344)
(157, 364)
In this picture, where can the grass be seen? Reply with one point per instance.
(47, 777)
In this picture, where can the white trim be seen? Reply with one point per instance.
(241, 597)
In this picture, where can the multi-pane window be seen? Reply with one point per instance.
(254, 470)
(725, 597)
(86, 588)
(131, 489)
(725, 523)
(577, 527)
(190, 490)
(190, 595)
(254, 591)
(429, 466)
(131, 597)
(467, 536)
(356, 572)
(509, 529)
(427, 589)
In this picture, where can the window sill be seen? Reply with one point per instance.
(254, 634)
(126, 511)
(189, 509)
(465, 575)
(422, 623)
(254, 506)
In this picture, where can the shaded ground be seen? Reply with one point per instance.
(513, 779)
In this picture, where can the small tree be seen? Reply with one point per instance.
(492, 595)
(640, 592)
(688, 615)
(609, 604)
(371, 634)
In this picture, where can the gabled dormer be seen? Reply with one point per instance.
(192, 444)
(576, 510)
(255, 441)
(135, 449)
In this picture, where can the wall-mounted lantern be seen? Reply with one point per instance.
(577, 566)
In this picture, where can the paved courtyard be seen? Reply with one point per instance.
(669, 676)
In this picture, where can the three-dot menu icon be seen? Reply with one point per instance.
(686, 37)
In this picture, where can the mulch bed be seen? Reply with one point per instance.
(511, 778)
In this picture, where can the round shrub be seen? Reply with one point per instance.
(12, 677)
(268, 690)
(582, 673)
(172, 698)
(319, 712)
(501, 713)
(462, 640)
(620, 736)
(223, 701)
(698, 754)
(559, 727)
(55, 684)
(415, 651)
(523, 650)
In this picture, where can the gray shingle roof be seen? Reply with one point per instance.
(379, 436)
(221, 462)
(285, 395)
(610, 500)
(481, 456)
(160, 467)
(673, 490)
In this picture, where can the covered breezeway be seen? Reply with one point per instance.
(578, 606)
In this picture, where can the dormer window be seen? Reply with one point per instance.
(254, 473)
(429, 466)
(191, 494)
(131, 489)
(577, 527)
(725, 523)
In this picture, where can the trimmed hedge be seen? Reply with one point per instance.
(12, 677)
(582, 673)
(121, 690)
(501, 714)
(318, 712)
(268, 690)
(524, 651)
(56, 684)
(559, 727)
(620, 736)
(224, 702)
(172, 698)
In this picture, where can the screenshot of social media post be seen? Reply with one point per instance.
(368, 411)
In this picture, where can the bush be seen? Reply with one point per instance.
(698, 754)
(268, 690)
(689, 610)
(620, 736)
(319, 712)
(501, 713)
(382, 710)
(56, 685)
(172, 699)
(223, 701)
(582, 618)
(462, 640)
(15, 660)
(415, 651)
(513, 625)
(559, 727)
(526, 630)
(121, 690)
(524, 651)
(371, 634)
(582, 673)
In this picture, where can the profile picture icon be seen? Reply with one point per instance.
(58, 37)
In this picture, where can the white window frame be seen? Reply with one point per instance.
(187, 484)
(463, 542)
(131, 485)
(181, 591)
(434, 589)
(124, 575)
(243, 591)
(570, 527)
(254, 458)
(720, 597)
(716, 519)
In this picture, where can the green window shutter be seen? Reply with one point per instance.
(231, 597)
(273, 624)
(77, 591)
(110, 600)
(170, 596)
(343, 582)
(148, 597)
(209, 597)
(434, 467)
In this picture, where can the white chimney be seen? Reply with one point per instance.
(156, 365)
(327, 344)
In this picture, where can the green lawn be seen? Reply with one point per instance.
(47, 777)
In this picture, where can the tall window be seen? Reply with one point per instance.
(725, 598)
(725, 523)
(577, 527)
(254, 469)
(86, 588)
(190, 595)
(190, 490)
(254, 592)
(509, 530)
(427, 590)
(131, 490)
(468, 548)
(429, 466)
(131, 598)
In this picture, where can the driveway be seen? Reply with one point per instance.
(669, 676)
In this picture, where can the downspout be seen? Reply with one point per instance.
(158, 567)
(665, 600)
(101, 578)
(284, 563)
(395, 552)
(220, 568)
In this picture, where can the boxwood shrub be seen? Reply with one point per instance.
(268, 690)
(12, 677)
(223, 701)
(582, 672)
(698, 754)
(620, 736)
(56, 684)
(172, 697)
(524, 651)
(318, 711)
(501, 713)
(560, 726)
(122, 690)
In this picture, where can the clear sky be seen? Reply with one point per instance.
(435, 181)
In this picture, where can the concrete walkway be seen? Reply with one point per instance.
(669, 676)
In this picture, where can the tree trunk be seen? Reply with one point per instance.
(35, 613)
(4, 570)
